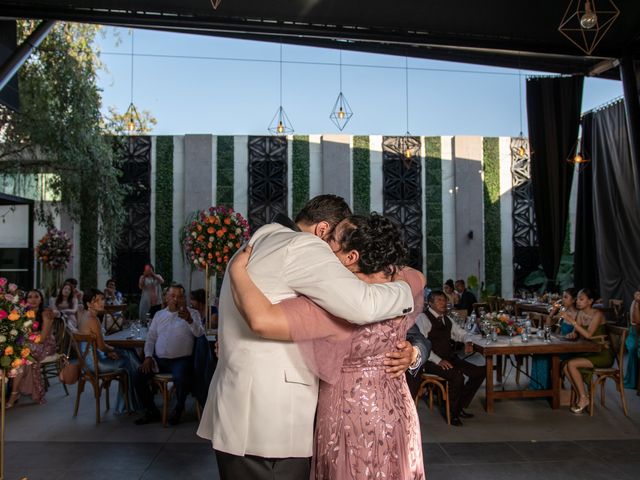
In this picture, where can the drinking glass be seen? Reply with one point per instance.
(547, 333)
(510, 332)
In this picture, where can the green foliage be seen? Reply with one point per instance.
(538, 280)
(433, 210)
(492, 245)
(361, 175)
(59, 131)
(300, 172)
(224, 172)
(164, 207)
(472, 282)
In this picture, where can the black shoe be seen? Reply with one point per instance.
(456, 422)
(174, 418)
(464, 414)
(148, 417)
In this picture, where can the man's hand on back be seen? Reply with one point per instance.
(398, 361)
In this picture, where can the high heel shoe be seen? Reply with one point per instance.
(13, 399)
(581, 405)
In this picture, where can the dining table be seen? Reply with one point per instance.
(130, 338)
(504, 346)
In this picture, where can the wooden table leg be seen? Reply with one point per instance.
(555, 381)
(489, 384)
(499, 362)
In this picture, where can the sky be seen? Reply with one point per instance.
(199, 84)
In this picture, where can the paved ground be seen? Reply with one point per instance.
(523, 439)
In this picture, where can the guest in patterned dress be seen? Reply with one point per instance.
(29, 380)
(366, 424)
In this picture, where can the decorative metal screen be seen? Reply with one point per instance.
(525, 236)
(134, 154)
(267, 179)
(402, 192)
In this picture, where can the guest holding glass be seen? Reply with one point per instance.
(110, 359)
(111, 295)
(29, 379)
(67, 304)
(541, 364)
(151, 285)
(589, 324)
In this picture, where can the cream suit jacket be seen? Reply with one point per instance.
(262, 398)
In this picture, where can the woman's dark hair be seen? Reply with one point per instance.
(573, 293)
(60, 298)
(150, 265)
(377, 240)
(40, 307)
(199, 295)
(109, 281)
(449, 283)
(590, 293)
(89, 295)
(71, 281)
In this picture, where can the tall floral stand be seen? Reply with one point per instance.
(4, 399)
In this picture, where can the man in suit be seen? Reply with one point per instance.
(467, 298)
(262, 399)
(443, 361)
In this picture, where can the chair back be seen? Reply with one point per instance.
(617, 338)
(90, 349)
(477, 306)
(537, 319)
(618, 307)
(60, 334)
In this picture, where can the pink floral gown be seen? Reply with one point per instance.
(367, 424)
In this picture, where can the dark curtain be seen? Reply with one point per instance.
(553, 111)
(615, 196)
(585, 268)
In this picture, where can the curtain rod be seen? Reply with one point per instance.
(610, 103)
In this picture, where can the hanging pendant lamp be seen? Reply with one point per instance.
(280, 123)
(407, 145)
(132, 120)
(341, 112)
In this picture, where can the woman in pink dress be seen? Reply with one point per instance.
(367, 425)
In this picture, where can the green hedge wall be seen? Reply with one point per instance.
(433, 210)
(492, 246)
(164, 207)
(224, 171)
(361, 175)
(300, 172)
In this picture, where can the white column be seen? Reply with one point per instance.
(241, 174)
(506, 217)
(315, 166)
(152, 219)
(448, 210)
(375, 160)
(178, 209)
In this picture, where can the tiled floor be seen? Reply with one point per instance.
(523, 439)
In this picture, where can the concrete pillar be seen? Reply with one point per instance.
(448, 209)
(506, 217)
(375, 159)
(336, 169)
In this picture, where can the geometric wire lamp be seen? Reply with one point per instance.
(131, 116)
(215, 4)
(585, 25)
(341, 112)
(581, 157)
(407, 144)
(520, 145)
(280, 124)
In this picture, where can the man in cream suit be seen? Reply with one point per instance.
(262, 399)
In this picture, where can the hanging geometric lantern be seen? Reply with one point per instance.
(341, 112)
(280, 123)
(585, 24)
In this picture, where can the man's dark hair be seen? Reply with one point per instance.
(178, 286)
(71, 281)
(199, 295)
(89, 295)
(460, 281)
(324, 208)
(435, 293)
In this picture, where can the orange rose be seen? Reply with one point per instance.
(225, 249)
(227, 221)
(237, 244)
(211, 219)
(31, 314)
(232, 236)
(16, 363)
(209, 245)
(217, 253)
(226, 258)
(209, 256)
(211, 230)
(200, 238)
(198, 250)
(14, 315)
(8, 350)
(25, 352)
(220, 233)
(199, 228)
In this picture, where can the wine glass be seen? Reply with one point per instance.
(547, 334)
(510, 331)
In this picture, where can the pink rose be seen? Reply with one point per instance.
(3, 281)
(3, 314)
(13, 287)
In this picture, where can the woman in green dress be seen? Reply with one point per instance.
(590, 324)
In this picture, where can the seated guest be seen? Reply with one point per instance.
(111, 295)
(443, 361)
(452, 296)
(169, 345)
(76, 292)
(467, 298)
(67, 304)
(198, 302)
(110, 359)
(29, 380)
(591, 325)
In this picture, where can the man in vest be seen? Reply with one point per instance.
(443, 361)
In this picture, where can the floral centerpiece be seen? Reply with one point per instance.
(54, 250)
(502, 322)
(16, 322)
(211, 237)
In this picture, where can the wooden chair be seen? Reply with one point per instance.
(114, 314)
(52, 365)
(99, 381)
(618, 308)
(512, 305)
(430, 382)
(478, 306)
(461, 313)
(617, 338)
(162, 381)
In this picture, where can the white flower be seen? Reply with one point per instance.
(13, 332)
(28, 323)
(3, 339)
(16, 299)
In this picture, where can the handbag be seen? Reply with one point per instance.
(70, 372)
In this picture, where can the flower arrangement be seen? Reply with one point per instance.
(212, 236)
(16, 322)
(502, 321)
(54, 250)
